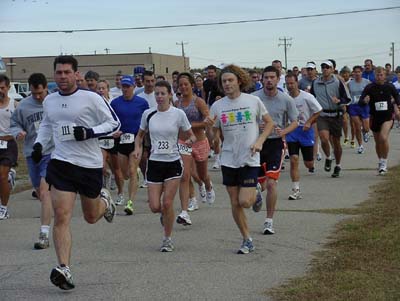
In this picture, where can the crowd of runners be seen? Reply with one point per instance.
(87, 138)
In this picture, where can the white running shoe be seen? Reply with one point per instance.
(268, 229)
(4, 213)
(210, 196)
(143, 184)
(319, 158)
(202, 192)
(184, 219)
(120, 200)
(295, 195)
(12, 175)
(360, 149)
(217, 163)
(193, 205)
(106, 180)
(110, 205)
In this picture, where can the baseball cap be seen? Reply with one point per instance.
(127, 80)
(328, 63)
(311, 65)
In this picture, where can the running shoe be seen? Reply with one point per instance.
(328, 164)
(352, 144)
(246, 247)
(346, 141)
(61, 277)
(382, 171)
(167, 245)
(184, 219)
(120, 200)
(210, 196)
(113, 184)
(193, 205)
(143, 184)
(336, 172)
(268, 229)
(12, 175)
(4, 213)
(287, 157)
(43, 242)
(319, 157)
(360, 149)
(366, 137)
(216, 164)
(311, 170)
(295, 195)
(129, 208)
(110, 205)
(202, 192)
(259, 199)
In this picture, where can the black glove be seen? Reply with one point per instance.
(37, 152)
(81, 133)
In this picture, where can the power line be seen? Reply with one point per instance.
(204, 24)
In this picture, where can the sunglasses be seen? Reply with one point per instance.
(325, 67)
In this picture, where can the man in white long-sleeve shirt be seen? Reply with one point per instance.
(74, 118)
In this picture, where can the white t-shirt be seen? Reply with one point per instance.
(307, 105)
(164, 130)
(81, 108)
(238, 120)
(151, 99)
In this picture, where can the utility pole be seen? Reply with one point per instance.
(149, 49)
(392, 55)
(182, 44)
(286, 45)
(107, 50)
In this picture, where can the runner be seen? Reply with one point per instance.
(359, 114)
(129, 109)
(25, 122)
(112, 173)
(282, 110)
(74, 118)
(302, 138)
(331, 94)
(383, 101)
(196, 111)
(91, 78)
(8, 147)
(116, 91)
(237, 116)
(164, 168)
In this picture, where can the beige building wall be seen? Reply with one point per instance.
(107, 65)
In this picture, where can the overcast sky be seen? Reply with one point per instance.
(347, 38)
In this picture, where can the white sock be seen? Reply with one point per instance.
(338, 165)
(45, 229)
(384, 162)
(184, 212)
(295, 185)
(329, 157)
(5, 207)
(268, 220)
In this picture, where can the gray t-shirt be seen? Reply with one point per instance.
(305, 84)
(356, 89)
(281, 108)
(238, 120)
(27, 117)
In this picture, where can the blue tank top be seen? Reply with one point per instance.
(191, 111)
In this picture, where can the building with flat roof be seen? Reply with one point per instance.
(107, 65)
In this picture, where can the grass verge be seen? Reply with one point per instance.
(362, 262)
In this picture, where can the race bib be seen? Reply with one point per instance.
(66, 132)
(184, 149)
(36, 124)
(3, 144)
(106, 143)
(381, 106)
(127, 138)
(163, 147)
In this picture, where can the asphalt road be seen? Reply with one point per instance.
(122, 260)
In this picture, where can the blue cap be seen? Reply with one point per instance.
(127, 80)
